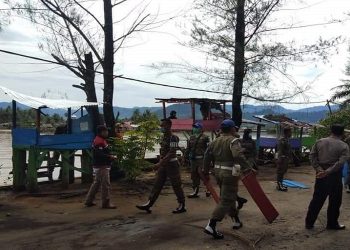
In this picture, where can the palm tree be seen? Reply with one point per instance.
(342, 93)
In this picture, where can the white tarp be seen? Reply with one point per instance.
(36, 102)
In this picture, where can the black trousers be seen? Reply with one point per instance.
(330, 186)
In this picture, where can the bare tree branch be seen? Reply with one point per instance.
(68, 66)
(57, 10)
(92, 15)
(118, 3)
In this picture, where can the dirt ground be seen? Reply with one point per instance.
(61, 222)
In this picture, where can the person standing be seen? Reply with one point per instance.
(102, 160)
(284, 153)
(172, 115)
(346, 170)
(249, 147)
(168, 167)
(250, 153)
(226, 153)
(327, 157)
(197, 146)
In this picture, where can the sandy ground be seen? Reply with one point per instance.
(51, 222)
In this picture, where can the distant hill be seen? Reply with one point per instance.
(312, 114)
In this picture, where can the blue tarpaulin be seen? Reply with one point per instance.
(294, 184)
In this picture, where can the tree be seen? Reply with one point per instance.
(136, 116)
(241, 53)
(4, 17)
(342, 92)
(73, 35)
(341, 116)
(132, 149)
(147, 115)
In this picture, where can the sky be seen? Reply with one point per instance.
(162, 45)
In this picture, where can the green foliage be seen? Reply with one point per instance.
(340, 117)
(342, 92)
(132, 149)
(147, 134)
(147, 115)
(26, 117)
(128, 152)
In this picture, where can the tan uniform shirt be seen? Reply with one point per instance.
(249, 147)
(329, 154)
(168, 146)
(197, 145)
(284, 148)
(226, 150)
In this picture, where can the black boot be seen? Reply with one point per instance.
(237, 224)
(108, 205)
(180, 209)
(211, 230)
(207, 193)
(241, 201)
(347, 188)
(146, 207)
(194, 194)
(281, 187)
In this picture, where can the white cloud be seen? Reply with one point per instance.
(21, 37)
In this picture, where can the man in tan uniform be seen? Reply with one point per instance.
(197, 146)
(284, 153)
(327, 157)
(226, 153)
(168, 167)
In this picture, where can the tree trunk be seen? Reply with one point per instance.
(239, 64)
(90, 90)
(108, 65)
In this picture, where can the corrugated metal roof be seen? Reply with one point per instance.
(189, 100)
(36, 102)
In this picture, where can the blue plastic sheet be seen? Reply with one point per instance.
(294, 184)
(346, 169)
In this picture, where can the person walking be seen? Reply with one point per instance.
(102, 160)
(167, 167)
(327, 157)
(197, 146)
(226, 153)
(284, 153)
(346, 169)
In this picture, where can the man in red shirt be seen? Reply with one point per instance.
(102, 160)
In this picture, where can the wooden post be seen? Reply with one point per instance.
(224, 110)
(71, 163)
(19, 168)
(81, 111)
(32, 172)
(258, 132)
(14, 114)
(86, 166)
(164, 110)
(69, 121)
(209, 111)
(301, 138)
(38, 118)
(65, 169)
(193, 108)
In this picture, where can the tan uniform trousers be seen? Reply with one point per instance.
(228, 194)
(282, 167)
(171, 170)
(195, 166)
